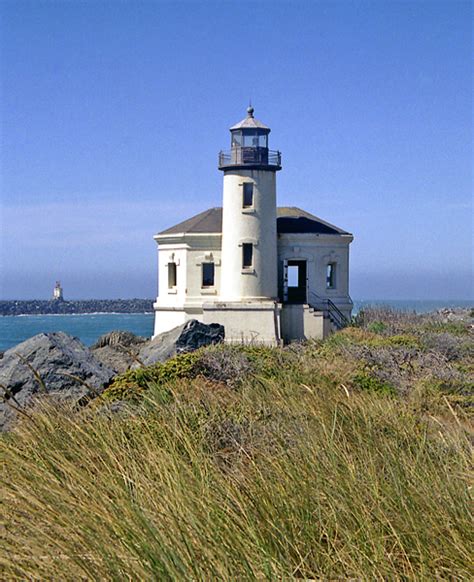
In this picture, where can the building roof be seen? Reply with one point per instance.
(250, 122)
(290, 219)
(209, 221)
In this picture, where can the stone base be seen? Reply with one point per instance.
(300, 322)
(246, 322)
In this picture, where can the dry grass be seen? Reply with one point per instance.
(294, 472)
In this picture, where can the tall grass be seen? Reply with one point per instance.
(277, 480)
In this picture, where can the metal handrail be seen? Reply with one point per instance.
(250, 156)
(333, 311)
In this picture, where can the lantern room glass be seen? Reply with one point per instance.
(249, 139)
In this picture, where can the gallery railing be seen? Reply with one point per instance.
(250, 156)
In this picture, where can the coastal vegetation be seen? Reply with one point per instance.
(348, 458)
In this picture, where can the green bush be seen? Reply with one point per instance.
(370, 383)
(454, 327)
(132, 384)
(377, 327)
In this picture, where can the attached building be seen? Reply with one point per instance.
(267, 274)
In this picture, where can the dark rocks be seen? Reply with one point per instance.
(184, 338)
(48, 363)
(118, 350)
(196, 335)
(59, 365)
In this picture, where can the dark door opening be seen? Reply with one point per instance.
(295, 279)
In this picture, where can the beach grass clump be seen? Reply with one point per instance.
(280, 481)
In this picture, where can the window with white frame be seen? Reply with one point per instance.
(247, 255)
(247, 197)
(171, 275)
(330, 275)
(208, 275)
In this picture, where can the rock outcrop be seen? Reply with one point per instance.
(184, 338)
(48, 363)
(59, 365)
(118, 350)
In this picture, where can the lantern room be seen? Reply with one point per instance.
(249, 146)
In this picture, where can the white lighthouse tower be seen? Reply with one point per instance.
(248, 300)
(249, 237)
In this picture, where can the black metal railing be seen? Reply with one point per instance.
(250, 156)
(334, 313)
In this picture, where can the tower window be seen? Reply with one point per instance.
(208, 274)
(247, 255)
(248, 195)
(171, 275)
(330, 275)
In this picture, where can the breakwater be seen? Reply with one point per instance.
(41, 307)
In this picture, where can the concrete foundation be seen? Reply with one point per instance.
(300, 322)
(252, 322)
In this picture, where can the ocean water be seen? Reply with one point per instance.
(89, 327)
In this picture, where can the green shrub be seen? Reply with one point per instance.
(453, 327)
(370, 383)
(132, 384)
(377, 327)
(402, 340)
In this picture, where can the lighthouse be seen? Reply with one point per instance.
(249, 215)
(268, 274)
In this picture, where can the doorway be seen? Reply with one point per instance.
(295, 281)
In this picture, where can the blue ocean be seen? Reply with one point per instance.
(89, 327)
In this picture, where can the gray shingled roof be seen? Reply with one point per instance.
(290, 219)
(250, 122)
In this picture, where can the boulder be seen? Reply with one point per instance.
(184, 338)
(118, 350)
(48, 363)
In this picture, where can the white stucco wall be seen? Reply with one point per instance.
(175, 306)
(318, 251)
(255, 225)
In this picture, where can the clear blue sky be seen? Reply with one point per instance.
(113, 114)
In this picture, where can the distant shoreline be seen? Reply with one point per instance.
(83, 313)
(79, 307)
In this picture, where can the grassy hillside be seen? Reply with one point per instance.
(343, 459)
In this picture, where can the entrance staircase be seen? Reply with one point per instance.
(331, 311)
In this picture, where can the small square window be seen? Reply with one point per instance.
(171, 275)
(208, 274)
(248, 195)
(247, 255)
(330, 275)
